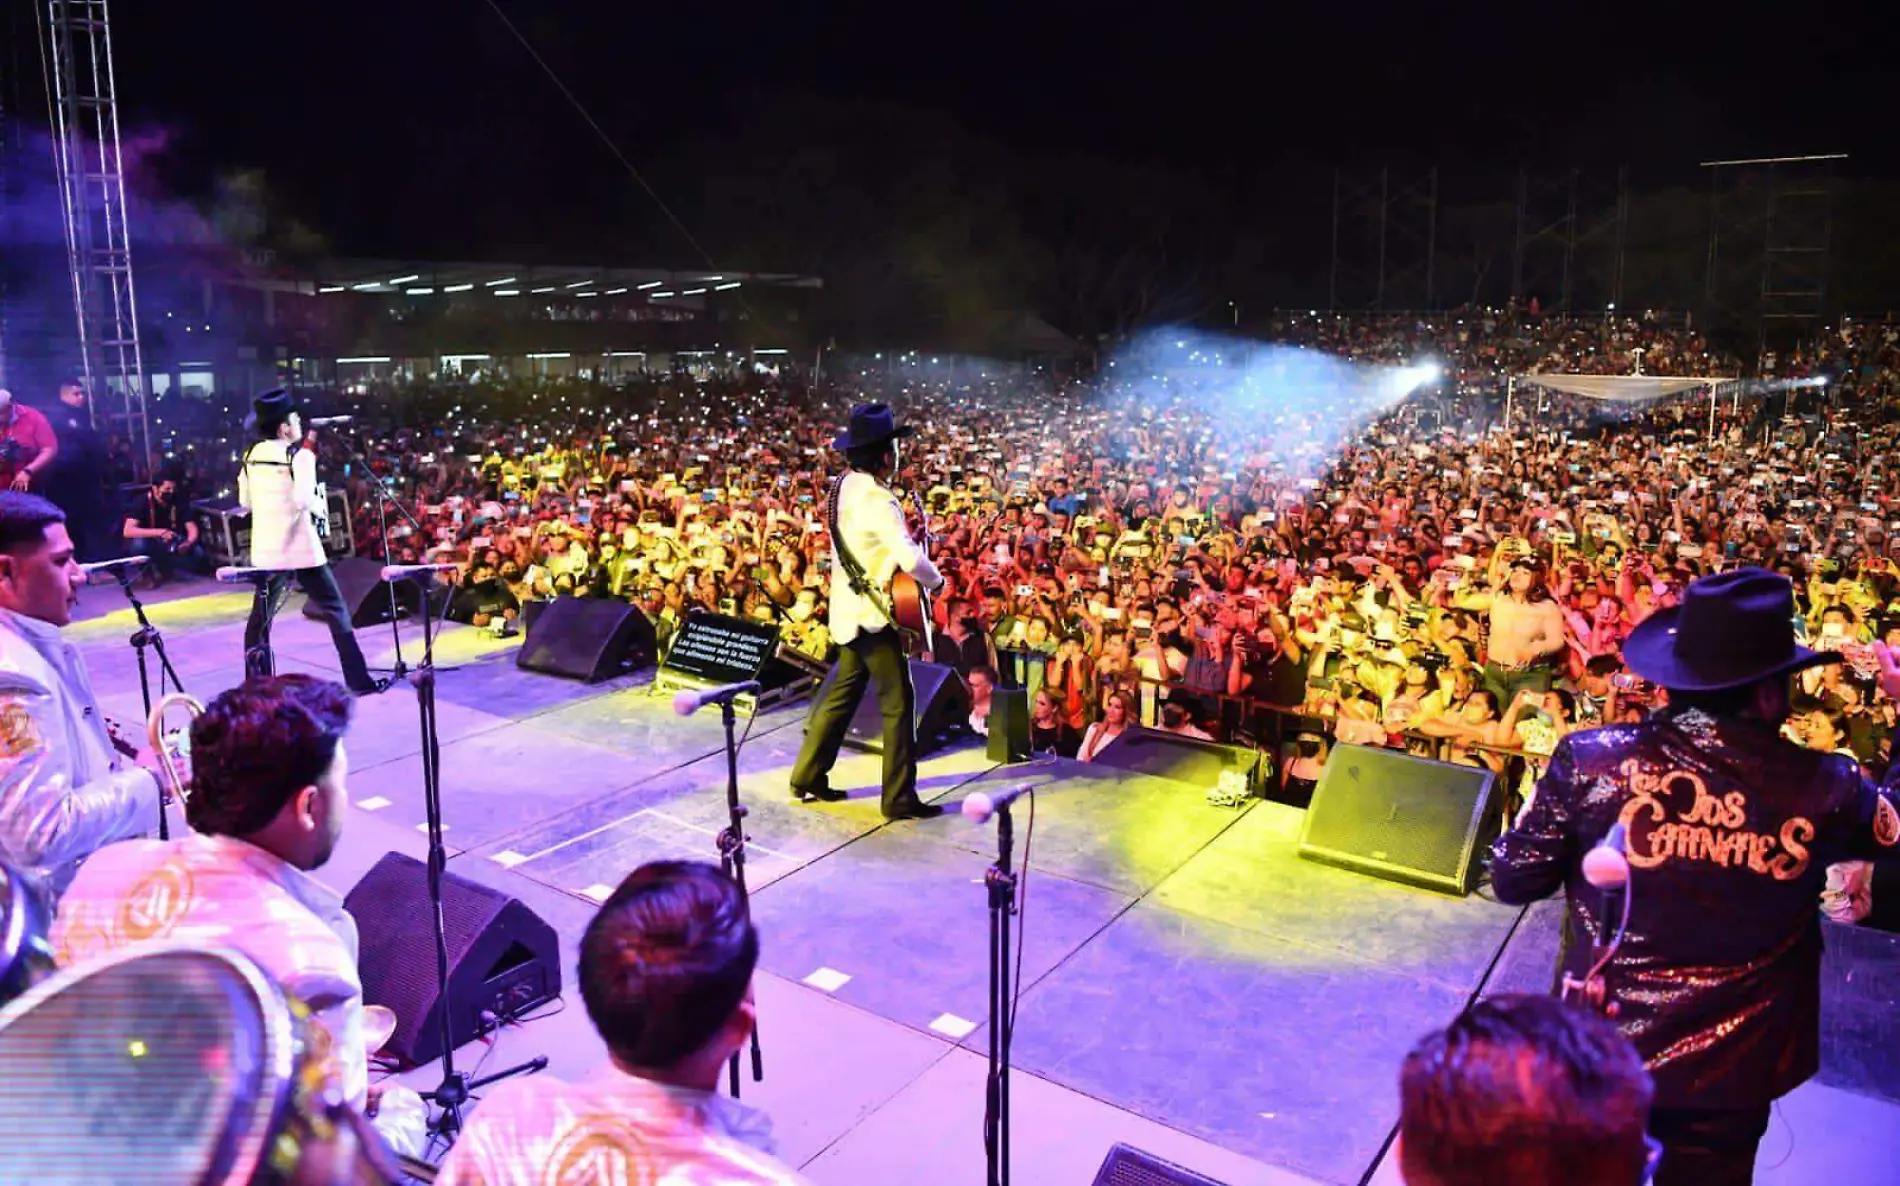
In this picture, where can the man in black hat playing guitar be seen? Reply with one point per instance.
(1728, 830)
(870, 546)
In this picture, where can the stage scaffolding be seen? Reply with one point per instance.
(1385, 242)
(1568, 246)
(1770, 238)
(92, 199)
(1564, 234)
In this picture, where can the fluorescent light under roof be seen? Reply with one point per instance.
(710, 279)
(580, 284)
(771, 352)
(372, 285)
(421, 291)
(586, 294)
(626, 354)
(660, 296)
(549, 288)
(650, 284)
(457, 287)
(499, 283)
(334, 288)
(727, 285)
(507, 292)
(615, 291)
(691, 291)
(556, 354)
(371, 358)
(406, 279)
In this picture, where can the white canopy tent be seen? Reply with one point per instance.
(1622, 389)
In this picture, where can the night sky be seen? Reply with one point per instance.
(422, 128)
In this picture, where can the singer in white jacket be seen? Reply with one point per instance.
(278, 482)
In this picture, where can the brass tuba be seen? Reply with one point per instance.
(173, 752)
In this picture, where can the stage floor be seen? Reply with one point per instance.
(1189, 987)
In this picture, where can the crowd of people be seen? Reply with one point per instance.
(1448, 573)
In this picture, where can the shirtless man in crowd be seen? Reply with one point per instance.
(1526, 631)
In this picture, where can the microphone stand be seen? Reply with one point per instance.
(147, 636)
(456, 1086)
(1000, 882)
(732, 864)
(1592, 991)
(385, 499)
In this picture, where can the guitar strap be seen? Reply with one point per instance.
(853, 571)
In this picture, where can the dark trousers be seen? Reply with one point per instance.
(319, 585)
(875, 658)
(1708, 1146)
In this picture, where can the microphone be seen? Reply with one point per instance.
(121, 564)
(691, 700)
(327, 421)
(231, 574)
(399, 572)
(979, 807)
(1606, 866)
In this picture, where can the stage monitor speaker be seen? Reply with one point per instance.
(1128, 1166)
(366, 594)
(587, 638)
(1009, 725)
(1181, 759)
(1407, 819)
(942, 709)
(503, 959)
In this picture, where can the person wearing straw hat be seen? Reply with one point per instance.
(868, 533)
(1729, 831)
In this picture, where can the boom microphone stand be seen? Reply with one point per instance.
(384, 500)
(1606, 867)
(456, 1086)
(146, 638)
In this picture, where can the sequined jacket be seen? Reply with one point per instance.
(1731, 831)
(64, 790)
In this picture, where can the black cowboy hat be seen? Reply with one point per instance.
(1732, 629)
(871, 424)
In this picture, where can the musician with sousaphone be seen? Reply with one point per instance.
(880, 582)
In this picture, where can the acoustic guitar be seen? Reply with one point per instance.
(910, 601)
